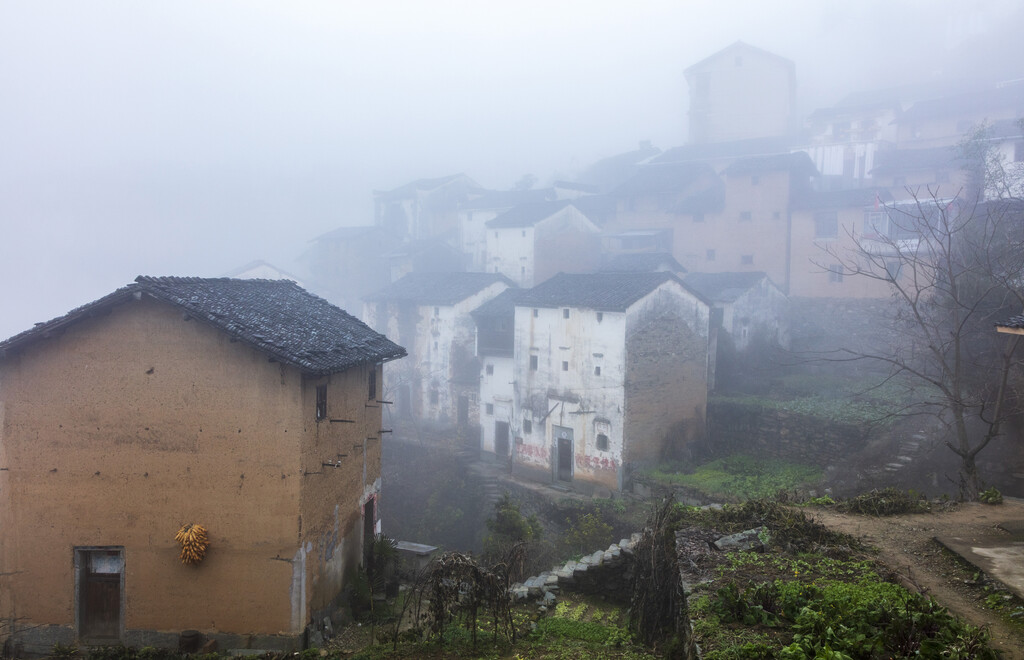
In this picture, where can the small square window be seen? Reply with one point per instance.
(489, 408)
(527, 426)
(747, 259)
(600, 316)
(321, 403)
(565, 313)
(602, 442)
(533, 363)
(745, 215)
(489, 369)
(565, 366)
(597, 371)
(710, 255)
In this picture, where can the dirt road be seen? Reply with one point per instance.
(906, 544)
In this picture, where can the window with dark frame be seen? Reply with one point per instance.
(533, 363)
(747, 259)
(600, 316)
(565, 312)
(565, 366)
(371, 387)
(527, 426)
(321, 403)
(489, 408)
(597, 371)
(602, 442)
(490, 369)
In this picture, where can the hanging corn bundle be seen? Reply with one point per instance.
(193, 542)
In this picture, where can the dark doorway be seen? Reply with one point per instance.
(564, 453)
(463, 410)
(100, 578)
(501, 440)
(369, 528)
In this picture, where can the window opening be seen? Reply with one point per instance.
(321, 403)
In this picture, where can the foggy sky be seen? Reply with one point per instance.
(190, 137)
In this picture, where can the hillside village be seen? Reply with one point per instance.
(575, 333)
(526, 312)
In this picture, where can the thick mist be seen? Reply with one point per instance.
(189, 138)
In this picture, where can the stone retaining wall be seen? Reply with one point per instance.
(736, 428)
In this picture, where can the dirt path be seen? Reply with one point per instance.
(905, 544)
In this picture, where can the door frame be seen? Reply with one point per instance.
(560, 435)
(81, 554)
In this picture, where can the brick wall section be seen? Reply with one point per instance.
(666, 392)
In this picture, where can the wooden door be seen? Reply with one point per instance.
(100, 584)
(501, 440)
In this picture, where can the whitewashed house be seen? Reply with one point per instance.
(610, 373)
(475, 213)
(531, 242)
(495, 346)
(431, 313)
(747, 306)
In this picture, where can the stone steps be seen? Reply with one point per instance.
(546, 585)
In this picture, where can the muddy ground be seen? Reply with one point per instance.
(906, 544)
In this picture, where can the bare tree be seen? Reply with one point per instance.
(955, 267)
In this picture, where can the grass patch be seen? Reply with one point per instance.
(741, 477)
(803, 600)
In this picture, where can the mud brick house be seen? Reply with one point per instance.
(247, 406)
(610, 373)
(430, 313)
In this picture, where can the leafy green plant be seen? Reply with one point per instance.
(990, 496)
(886, 502)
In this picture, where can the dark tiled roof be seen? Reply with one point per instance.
(641, 262)
(725, 150)
(599, 209)
(612, 292)
(894, 162)
(527, 215)
(276, 317)
(741, 45)
(506, 199)
(580, 187)
(722, 287)
(504, 304)
(797, 162)
(410, 189)
(1009, 98)
(345, 233)
(437, 288)
(666, 178)
(1016, 322)
(709, 200)
(841, 199)
(616, 169)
